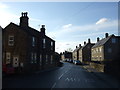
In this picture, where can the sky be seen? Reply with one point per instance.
(68, 23)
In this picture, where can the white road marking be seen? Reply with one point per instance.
(53, 85)
(74, 79)
(60, 76)
(67, 79)
(71, 79)
(62, 68)
(66, 71)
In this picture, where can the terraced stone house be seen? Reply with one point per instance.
(26, 47)
(85, 52)
(106, 53)
(75, 53)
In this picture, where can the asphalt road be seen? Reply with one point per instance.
(67, 76)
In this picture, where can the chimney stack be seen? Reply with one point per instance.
(24, 20)
(98, 39)
(80, 45)
(84, 42)
(43, 29)
(106, 35)
(89, 40)
(76, 46)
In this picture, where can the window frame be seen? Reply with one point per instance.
(44, 43)
(113, 40)
(8, 58)
(109, 50)
(11, 41)
(33, 41)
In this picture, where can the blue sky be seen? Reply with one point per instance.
(68, 23)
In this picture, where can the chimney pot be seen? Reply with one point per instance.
(24, 20)
(79, 45)
(43, 26)
(43, 29)
(84, 42)
(98, 39)
(89, 40)
(76, 46)
(106, 35)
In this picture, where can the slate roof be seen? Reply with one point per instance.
(77, 49)
(29, 30)
(84, 45)
(87, 44)
(102, 41)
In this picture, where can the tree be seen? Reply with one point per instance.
(69, 50)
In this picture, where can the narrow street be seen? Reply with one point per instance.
(67, 76)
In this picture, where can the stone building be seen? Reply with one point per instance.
(27, 48)
(66, 55)
(106, 53)
(85, 52)
(75, 53)
(106, 49)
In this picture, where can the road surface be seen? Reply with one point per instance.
(67, 76)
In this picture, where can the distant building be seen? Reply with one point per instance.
(106, 54)
(85, 52)
(106, 49)
(66, 55)
(26, 47)
(75, 53)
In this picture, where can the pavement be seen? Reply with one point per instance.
(89, 68)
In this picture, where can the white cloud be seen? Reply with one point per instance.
(101, 21)
(63, 36)
(67, 26)
(88, 35)
(85, 28)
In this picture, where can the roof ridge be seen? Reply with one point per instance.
(102, 41)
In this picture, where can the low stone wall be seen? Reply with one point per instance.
(110, 67)
(98, 67)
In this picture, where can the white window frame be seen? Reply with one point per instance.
(11, 41)
(8, 57)
(44, 42)
(15, 61)
(51, 45)
(33, 41)
(100, 49)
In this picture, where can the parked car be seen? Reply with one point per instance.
(77, 62)
(65, 60)
(71, 61)
(7, 69)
